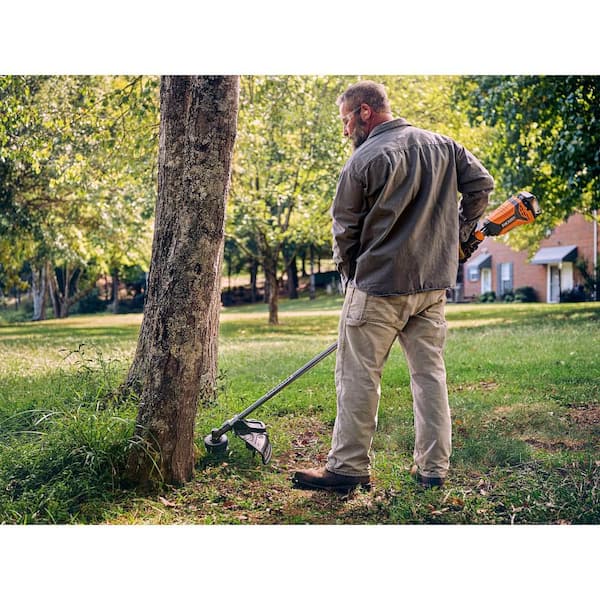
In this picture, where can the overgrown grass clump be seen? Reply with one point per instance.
(64, 436)
(524, 389)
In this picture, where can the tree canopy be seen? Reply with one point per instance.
(546, 138)
(77, 157)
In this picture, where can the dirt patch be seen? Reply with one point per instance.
(480, 386)
(309, 443)
(555, 445)
(585, 415)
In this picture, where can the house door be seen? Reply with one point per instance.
(554, 295)
(486, 280)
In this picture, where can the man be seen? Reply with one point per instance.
(397, 225)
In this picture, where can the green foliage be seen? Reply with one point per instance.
(573, 295)
(546, 140)
(487, 297)
(288, 153)
(78, 159)
(591, 278)
(525, 294)
(431, 102)
(92, 303)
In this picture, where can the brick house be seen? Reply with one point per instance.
(550, 271)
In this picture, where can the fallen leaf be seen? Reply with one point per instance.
(166, 502)
(439, 512)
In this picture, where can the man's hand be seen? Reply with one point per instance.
(466, 249)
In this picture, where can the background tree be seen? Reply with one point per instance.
(546, 139)
(76, 155)
(288, 156)
(176, 357)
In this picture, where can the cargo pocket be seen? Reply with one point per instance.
(357, 304)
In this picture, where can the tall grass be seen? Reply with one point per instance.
(63, 436)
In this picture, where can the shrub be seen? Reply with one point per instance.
(90, 303)
(488, 297)
(577, 294)
(526, 294)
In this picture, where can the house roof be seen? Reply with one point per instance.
(483, 261)
(554, 254)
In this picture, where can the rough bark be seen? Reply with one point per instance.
(176, 358)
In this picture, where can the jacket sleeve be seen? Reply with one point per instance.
(475, 184)
(348, 212)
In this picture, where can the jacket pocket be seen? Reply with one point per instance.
(357, 305)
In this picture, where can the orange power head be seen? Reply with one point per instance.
(517, 210)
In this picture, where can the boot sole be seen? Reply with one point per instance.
(304, 485)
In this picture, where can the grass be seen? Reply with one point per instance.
(524, 390)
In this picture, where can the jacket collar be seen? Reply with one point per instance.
(393, 124)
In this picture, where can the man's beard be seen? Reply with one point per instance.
(359, 135)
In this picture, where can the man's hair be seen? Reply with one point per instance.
(366, 91)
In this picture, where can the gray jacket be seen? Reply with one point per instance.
(396, 216)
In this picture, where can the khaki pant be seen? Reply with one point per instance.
(368, 327)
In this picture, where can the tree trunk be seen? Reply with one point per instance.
(38, 291)
(292, 279)
(253, 278)
(63, 290)
(272, 285)
(115, 291)
(176, 357)
(303, 259)
(312, 292)
(53, 291)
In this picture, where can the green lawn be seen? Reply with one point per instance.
(524, 383)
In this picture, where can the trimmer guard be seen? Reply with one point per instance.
(254, 433)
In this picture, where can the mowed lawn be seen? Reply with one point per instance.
(524, 384)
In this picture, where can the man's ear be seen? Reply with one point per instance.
(365, 111)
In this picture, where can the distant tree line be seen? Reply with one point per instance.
(78, 170)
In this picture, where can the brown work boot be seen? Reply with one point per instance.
(426, 482)
(322, 479)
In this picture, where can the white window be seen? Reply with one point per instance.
(473, 273)
(505, 278)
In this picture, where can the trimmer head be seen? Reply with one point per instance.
(216, 445)
(252, 431)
